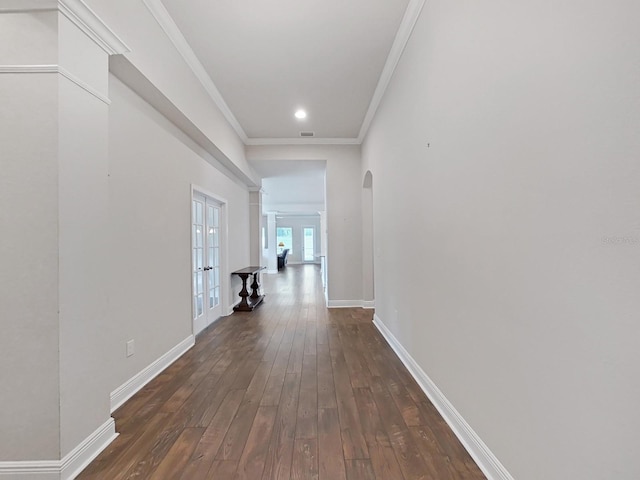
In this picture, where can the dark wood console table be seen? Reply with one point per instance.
(249, 302)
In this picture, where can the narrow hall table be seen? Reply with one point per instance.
(249, 302)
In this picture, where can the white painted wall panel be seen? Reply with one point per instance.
(507, 252)
(29, 273)
(151, 168)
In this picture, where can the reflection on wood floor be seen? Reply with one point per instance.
(290, 391)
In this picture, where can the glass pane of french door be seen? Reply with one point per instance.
(197, 241)
(308, 244)
(213, 254)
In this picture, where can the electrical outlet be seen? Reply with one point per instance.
(131, 348)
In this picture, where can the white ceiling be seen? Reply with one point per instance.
(269, 57)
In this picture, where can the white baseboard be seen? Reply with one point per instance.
(480, 453)
(125, 391)
(70, 466)
(30, 470)
(344, 303)
(350, 303)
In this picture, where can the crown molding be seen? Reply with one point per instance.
(79, 14)
(162, 16)
(409, 20)
(86, 20)
(302, 141)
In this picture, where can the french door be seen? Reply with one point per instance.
(205, 244)
(308, 244)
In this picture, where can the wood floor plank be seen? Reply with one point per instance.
(211, 440)
(273, 388)
(353, 441)
(305, 459)
(223, 470)
(292, 390)
(251, 464)
(280, 451)
(330, 458)
(164, 440)
(360, 469)
(383, 458)
(238, 432)
(177, 457)
(326, 385)
(411, 462)
(307, 421)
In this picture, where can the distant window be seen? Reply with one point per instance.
(284, 238)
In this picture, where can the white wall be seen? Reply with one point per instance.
(29, 242)
(151, 169)
(344, 217)
(507, 252)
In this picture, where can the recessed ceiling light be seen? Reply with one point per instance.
(300, 114)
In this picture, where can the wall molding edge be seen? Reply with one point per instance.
(479, 451)
(83, 85)
(129, 388)
(30, 69)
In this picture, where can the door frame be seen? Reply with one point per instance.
(225, 276)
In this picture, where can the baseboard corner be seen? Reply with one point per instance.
(70, 466)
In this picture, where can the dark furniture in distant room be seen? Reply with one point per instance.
(282, 259)
(249, 302)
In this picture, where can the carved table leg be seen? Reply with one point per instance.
(255, 286)
(244, 293)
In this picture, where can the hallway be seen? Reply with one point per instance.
(290, 391)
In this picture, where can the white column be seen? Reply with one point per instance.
(272, 250)
(255, 217)
(54, 196)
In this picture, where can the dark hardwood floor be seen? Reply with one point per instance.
(290, 391)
